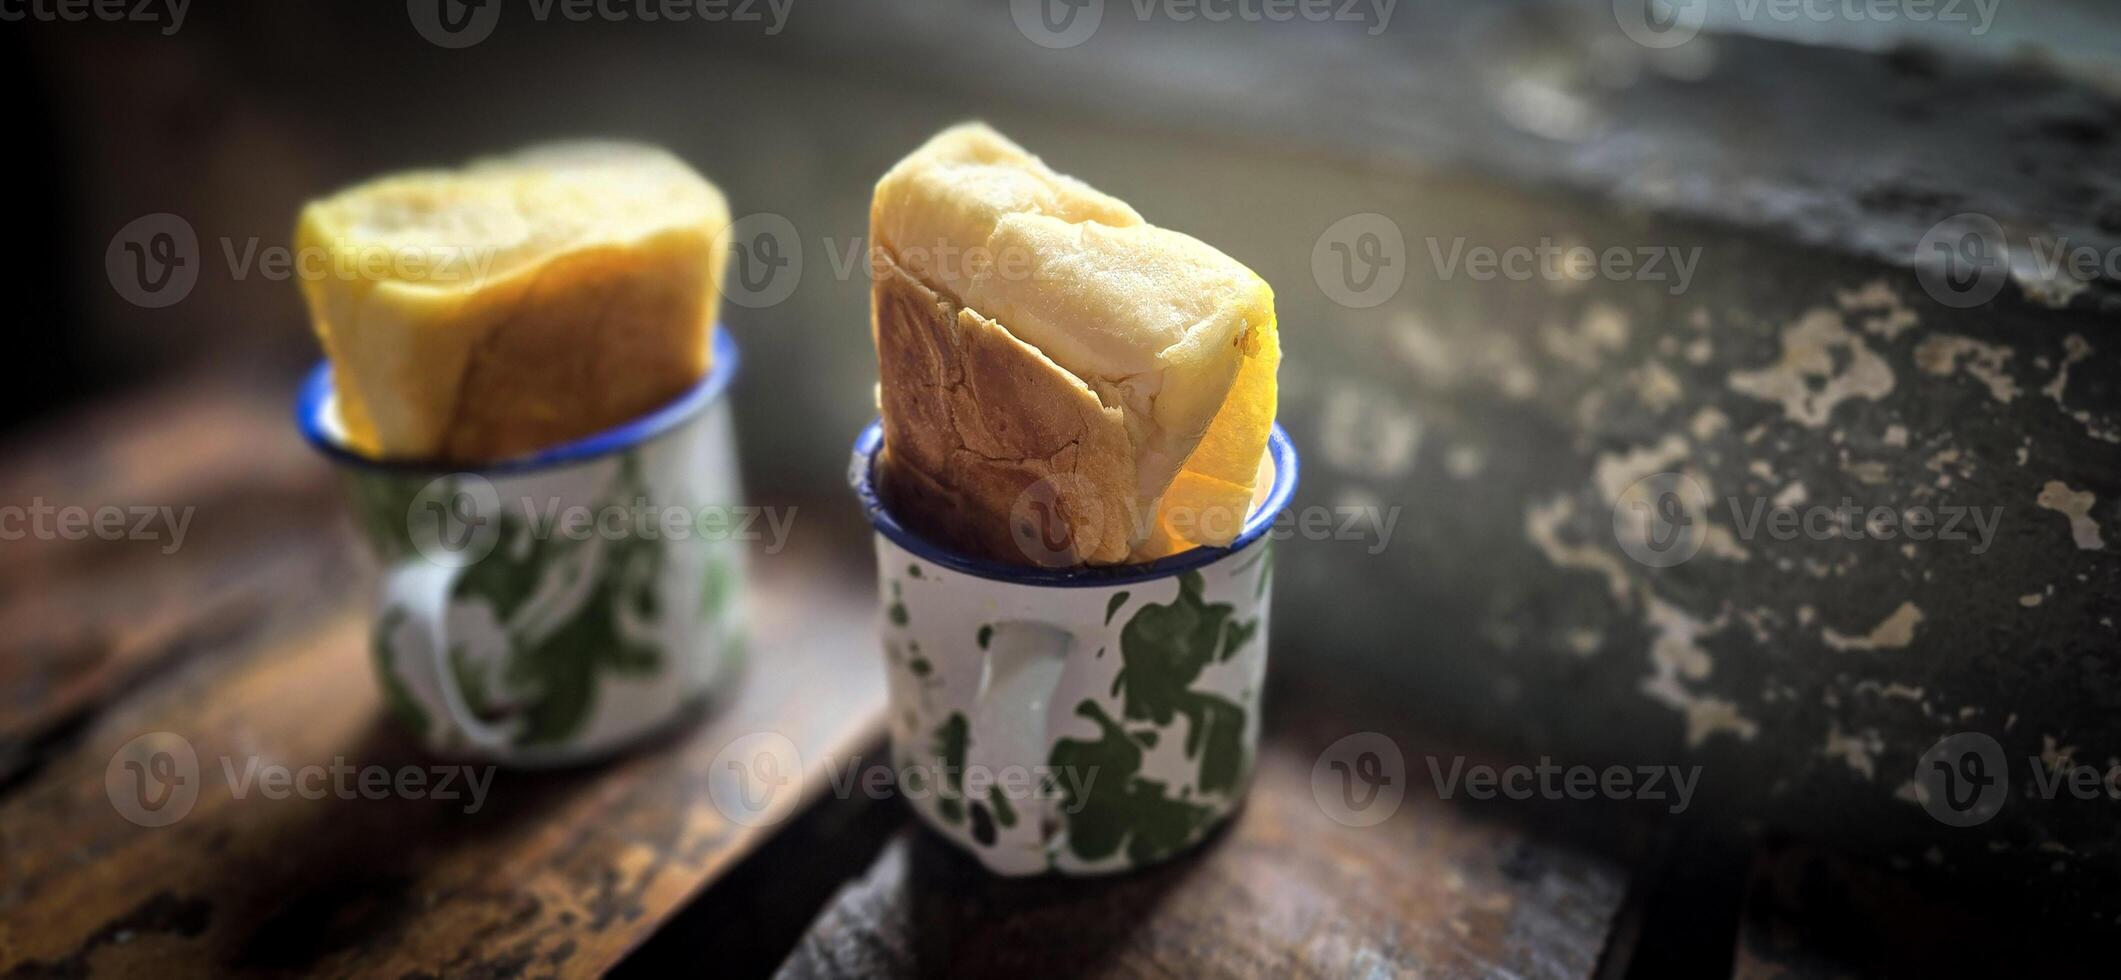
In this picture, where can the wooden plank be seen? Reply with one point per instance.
(558, 872)
(748, 921)
(1286, 891)
(236, 513)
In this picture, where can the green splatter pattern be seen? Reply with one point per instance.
(952, 738)
(1163, 649)
(544, 688)
(1151, 759)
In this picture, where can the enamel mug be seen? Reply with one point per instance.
(1078, 720)
(557, 607)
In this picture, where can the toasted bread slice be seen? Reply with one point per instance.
(483, 313)
(1152, 327)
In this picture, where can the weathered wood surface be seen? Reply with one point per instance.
(82, 621)
(1438, 889)
(250, 643)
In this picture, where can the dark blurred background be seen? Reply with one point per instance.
(1802, 160)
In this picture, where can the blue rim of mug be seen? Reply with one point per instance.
(316, 395)
(861, 475)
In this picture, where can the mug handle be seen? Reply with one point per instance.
(1019, 678)
(421, 589)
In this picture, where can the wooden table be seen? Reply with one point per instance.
(249, 643)
(1285, 891)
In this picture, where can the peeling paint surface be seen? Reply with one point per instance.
(1942, 355)
(1816, 665)
(1806, 381)
(1889, 316)
(2077, 506)
(1858, 750)
(1543, 524)
(1894, 632)
(1676, 657)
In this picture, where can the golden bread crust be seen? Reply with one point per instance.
(596, 338)
(552, 294)
(989, 447)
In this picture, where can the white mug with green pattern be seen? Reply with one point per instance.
(1079, 720)
(558, 607)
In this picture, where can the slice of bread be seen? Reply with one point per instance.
(483, 313)
(1049, 361)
